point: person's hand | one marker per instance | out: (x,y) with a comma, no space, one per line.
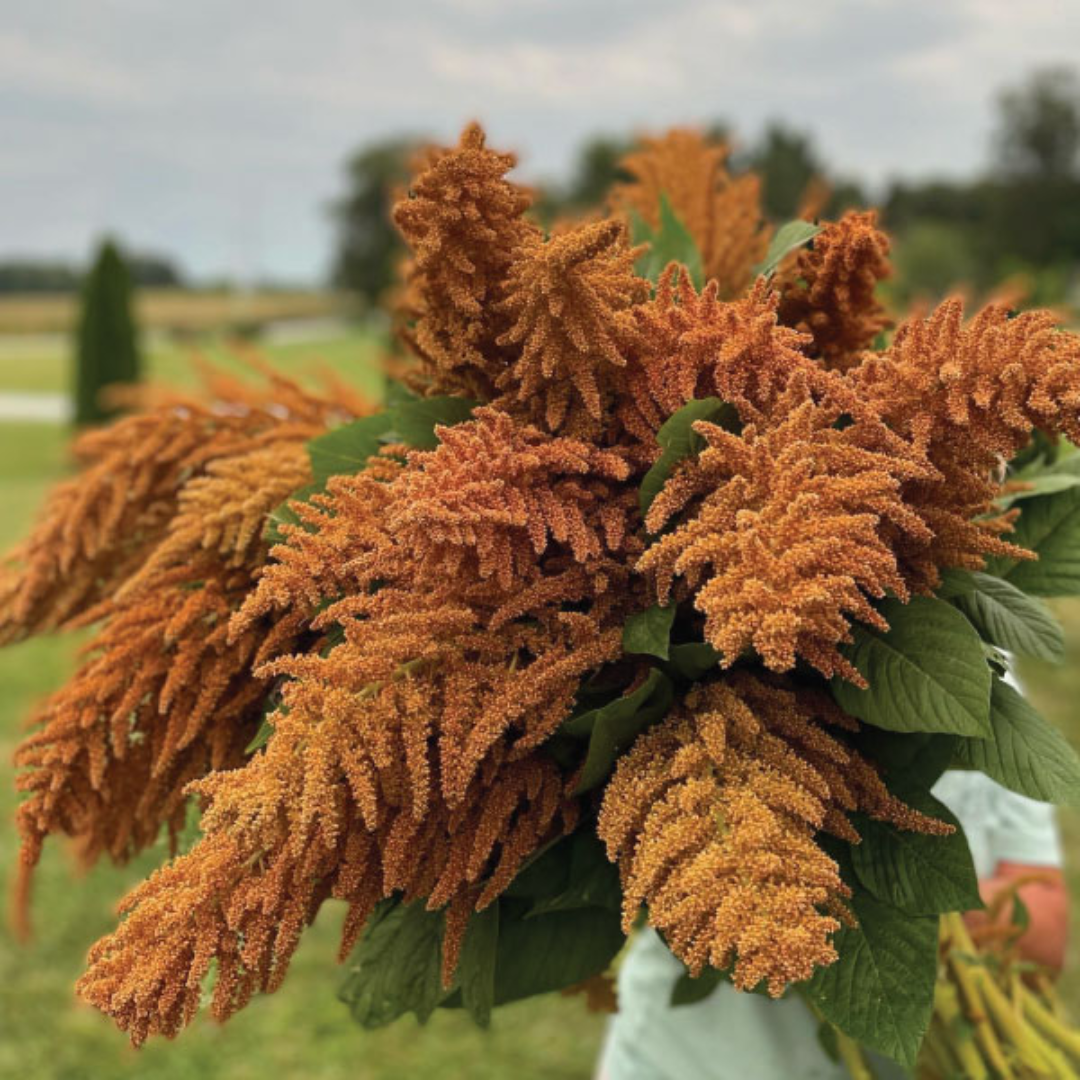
(1043,892)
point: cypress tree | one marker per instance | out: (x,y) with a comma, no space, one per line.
(106,349)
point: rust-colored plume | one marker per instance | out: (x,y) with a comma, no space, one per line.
(694,345)
(828,290)
(97,529)
(711,818)
(570,300)
(722,213)
(970,396)
(462,220)
(781,534)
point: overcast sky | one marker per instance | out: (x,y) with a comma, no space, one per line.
(216,131)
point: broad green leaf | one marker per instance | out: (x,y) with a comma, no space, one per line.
(679,441)
(396,966)
(545,874)
(671,242)
(1049,526)
(476,968)
(611,728)
(649,631)
(919,874)
(692,659)
(414,422)
(916,760)
(1011,619)
(592,881)
(1023,751)
(552,951)
(346,449)
(1049,483)
(786,239)
(927,673)
(397,393)
(881,989)
(689,991)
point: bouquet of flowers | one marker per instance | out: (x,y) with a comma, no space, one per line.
(664,585)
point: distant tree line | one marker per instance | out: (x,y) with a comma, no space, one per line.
(49,276)
(1021,217)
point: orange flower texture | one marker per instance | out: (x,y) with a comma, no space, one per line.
(368,701)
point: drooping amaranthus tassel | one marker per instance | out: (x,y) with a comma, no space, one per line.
(711,818)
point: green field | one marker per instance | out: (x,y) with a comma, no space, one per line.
(302,1031)
(43,365)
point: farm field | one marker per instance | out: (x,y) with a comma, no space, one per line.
(173,309)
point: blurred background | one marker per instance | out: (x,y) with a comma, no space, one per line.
(227,168)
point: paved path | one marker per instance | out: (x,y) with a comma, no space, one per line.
(42,407)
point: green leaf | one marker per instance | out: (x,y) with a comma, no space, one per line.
(649,631)
(592,881)
(397,966)
(1049,483)
(552,951)
(881,989)
(1023,752)
(927,673)
(785,240)
(1049,526)
(919,874)
(915,760)
(1011,619)
(671,242)
(693,658)
(346,449)
(414,422)
(679,440)
(1020,917)
(476,968)
(611,728)
(689,990)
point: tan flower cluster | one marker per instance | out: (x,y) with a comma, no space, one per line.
(570,299)
(711,817)
(462,221)
(785,543)
(164,696)
(429,624)
(828,290)
(722,213)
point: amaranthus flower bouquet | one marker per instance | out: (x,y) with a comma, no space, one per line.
(665,584)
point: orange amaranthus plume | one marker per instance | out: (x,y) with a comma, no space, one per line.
(711,818)
(402,761)
(723,214)
(462,220)
(694,345)
(781,535)
(828,290)
(165,695)
(570,301)
(970,395)
(97,529)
